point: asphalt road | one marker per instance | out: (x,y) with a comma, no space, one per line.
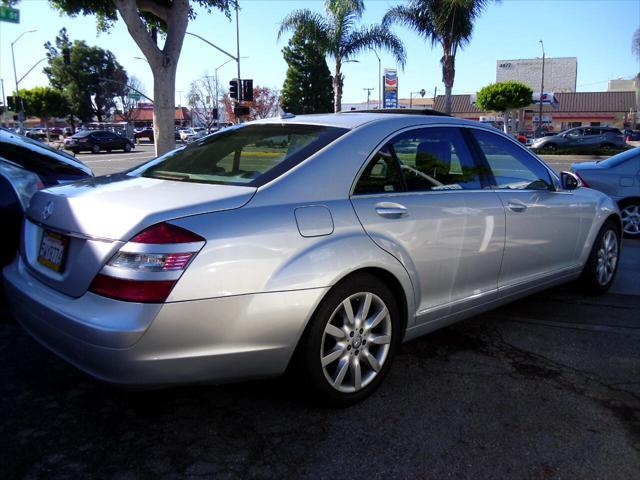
(545,388)
(106,163)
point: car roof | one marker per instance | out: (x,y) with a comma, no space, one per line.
(30,144)
(354,119)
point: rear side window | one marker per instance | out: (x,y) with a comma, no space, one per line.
(435,159)
(247,155)
(512,167)
(39,161)
(381,175)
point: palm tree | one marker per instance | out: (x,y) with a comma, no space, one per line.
(445,22)
(336,35)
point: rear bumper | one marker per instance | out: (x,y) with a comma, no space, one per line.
(215,340)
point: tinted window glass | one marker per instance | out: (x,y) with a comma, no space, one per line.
(435,159)
(246,155)
(512,167)
(381,175)
(39,161)
(574,133)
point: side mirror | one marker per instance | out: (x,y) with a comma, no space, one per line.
(569,181)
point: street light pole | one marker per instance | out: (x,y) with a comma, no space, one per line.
(15,77)
(541,93)
(368,95)
(379,80)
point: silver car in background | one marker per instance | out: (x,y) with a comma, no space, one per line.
(315,243)
(619,177)
(582,138)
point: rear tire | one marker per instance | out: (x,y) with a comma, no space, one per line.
(630,213)
(607,146)
(127,147)
(95,148)
(602,265)
(349,344)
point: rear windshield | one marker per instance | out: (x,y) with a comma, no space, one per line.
(250,155)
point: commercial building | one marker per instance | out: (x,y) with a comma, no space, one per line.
(574,109)
(560,74)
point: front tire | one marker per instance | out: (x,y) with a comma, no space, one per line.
(350,342)
(602,265)
(127,147)
(95,148)
(551,147)
(630,213)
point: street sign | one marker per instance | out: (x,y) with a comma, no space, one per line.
(390,88)
(134,96)
(8,14)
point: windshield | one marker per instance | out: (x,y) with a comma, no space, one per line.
(619,158)
(251,154)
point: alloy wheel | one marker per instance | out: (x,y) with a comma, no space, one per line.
(631,219)
(607,257)
(356,342)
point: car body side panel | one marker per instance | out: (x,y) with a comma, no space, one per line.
(237,261)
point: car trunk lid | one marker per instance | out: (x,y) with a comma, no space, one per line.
(87,222)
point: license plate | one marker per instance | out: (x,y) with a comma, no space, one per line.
(52,250)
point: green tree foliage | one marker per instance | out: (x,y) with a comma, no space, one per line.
(336,35)
(91,79)
(307,86)
(44,102)
(144,19)
(448,23)
(504,96)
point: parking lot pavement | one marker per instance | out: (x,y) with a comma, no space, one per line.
(544,388)
(105,163)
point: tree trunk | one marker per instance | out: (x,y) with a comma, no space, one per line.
(46,127)
(448,75)
(164,81)
(337,87)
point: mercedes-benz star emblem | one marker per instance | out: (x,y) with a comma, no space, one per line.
(47,210)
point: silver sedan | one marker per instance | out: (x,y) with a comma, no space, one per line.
(619,177)
(316,244)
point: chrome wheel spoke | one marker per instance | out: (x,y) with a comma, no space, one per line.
(380,339)
(343,368)
(363,311)
(378,318)
(348,311)
(335,331)
(332,357)
(356,373)
(373,361)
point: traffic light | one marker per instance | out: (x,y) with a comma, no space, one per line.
(11,105)
(247,90)
(233,88)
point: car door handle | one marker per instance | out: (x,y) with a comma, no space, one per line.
(516,206)
(391,210)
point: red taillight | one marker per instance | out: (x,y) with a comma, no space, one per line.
(144,291)
(584,183)
(166,233)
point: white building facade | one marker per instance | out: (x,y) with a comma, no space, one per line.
(560,74)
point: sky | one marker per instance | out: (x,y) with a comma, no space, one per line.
(598,33)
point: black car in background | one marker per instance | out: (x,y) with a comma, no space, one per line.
(26,165)
(96,141)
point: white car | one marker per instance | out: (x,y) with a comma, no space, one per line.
(190,134)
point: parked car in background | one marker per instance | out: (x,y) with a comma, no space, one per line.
(225,259)
(587,138)
(632,135)
(96,141)
(144,133)
(26,166)
(619,177)
(191,134)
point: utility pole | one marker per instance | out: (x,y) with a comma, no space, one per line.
(369,90)
(15,76)
(541,93)
(379,80)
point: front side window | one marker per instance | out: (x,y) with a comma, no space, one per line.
(435,159)
(512,167)
(248,155)
(574,134)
